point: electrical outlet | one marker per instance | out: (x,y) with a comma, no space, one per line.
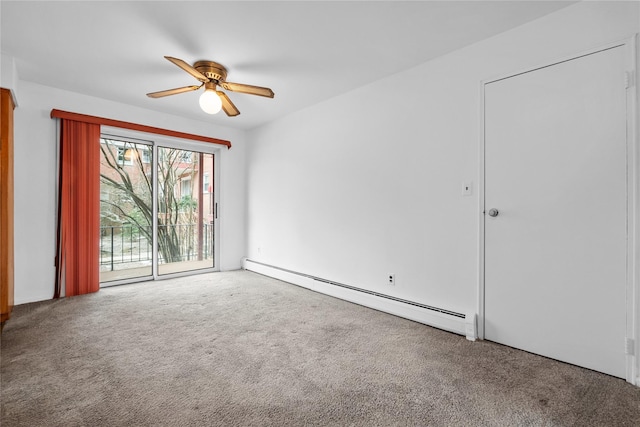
(392,280)
(259,250)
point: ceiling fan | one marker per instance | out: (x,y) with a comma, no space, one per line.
(212,75)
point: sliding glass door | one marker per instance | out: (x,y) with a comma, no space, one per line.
(158,209)
(126,215)
(185,210)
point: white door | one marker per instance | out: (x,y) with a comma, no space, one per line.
(555,170)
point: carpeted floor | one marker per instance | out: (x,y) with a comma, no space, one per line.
(237,348)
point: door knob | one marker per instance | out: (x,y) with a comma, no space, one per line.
(493,212)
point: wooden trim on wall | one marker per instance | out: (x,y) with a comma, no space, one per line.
(59,114)
(6,206)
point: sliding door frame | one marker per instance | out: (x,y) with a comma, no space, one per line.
(165,142)
(155,142)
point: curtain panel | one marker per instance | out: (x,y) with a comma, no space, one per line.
(78,238)
(78,241)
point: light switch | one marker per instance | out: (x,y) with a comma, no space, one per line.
(466,188)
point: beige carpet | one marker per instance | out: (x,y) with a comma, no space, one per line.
(237,348)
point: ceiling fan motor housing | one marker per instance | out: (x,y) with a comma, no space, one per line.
(212,70)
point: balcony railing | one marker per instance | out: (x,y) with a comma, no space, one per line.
(128,244)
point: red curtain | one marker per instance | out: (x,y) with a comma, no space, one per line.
(77,266)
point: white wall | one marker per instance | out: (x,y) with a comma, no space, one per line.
(35,180)
(369,182)
(9,76)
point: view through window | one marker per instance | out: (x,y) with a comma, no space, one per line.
(185,212)
(184,235)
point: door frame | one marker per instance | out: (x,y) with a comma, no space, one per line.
(166,142)
(155,142)
(633,200)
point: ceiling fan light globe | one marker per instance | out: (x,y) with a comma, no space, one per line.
(210,102)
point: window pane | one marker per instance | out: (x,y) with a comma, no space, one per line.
(185,211)
(125,211)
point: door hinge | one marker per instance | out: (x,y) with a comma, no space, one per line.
(629,346)
(629,79)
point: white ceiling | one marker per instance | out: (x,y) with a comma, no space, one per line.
(305,51)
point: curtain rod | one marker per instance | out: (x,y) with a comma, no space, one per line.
(59,114)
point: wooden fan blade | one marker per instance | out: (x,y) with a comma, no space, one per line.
(251,90)
(227,105)
(173,91)
(188,68)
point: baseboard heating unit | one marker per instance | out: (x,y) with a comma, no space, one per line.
(459,323)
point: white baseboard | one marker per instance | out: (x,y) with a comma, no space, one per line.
(465,326)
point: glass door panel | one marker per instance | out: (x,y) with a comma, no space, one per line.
(126,236)
(185,237)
